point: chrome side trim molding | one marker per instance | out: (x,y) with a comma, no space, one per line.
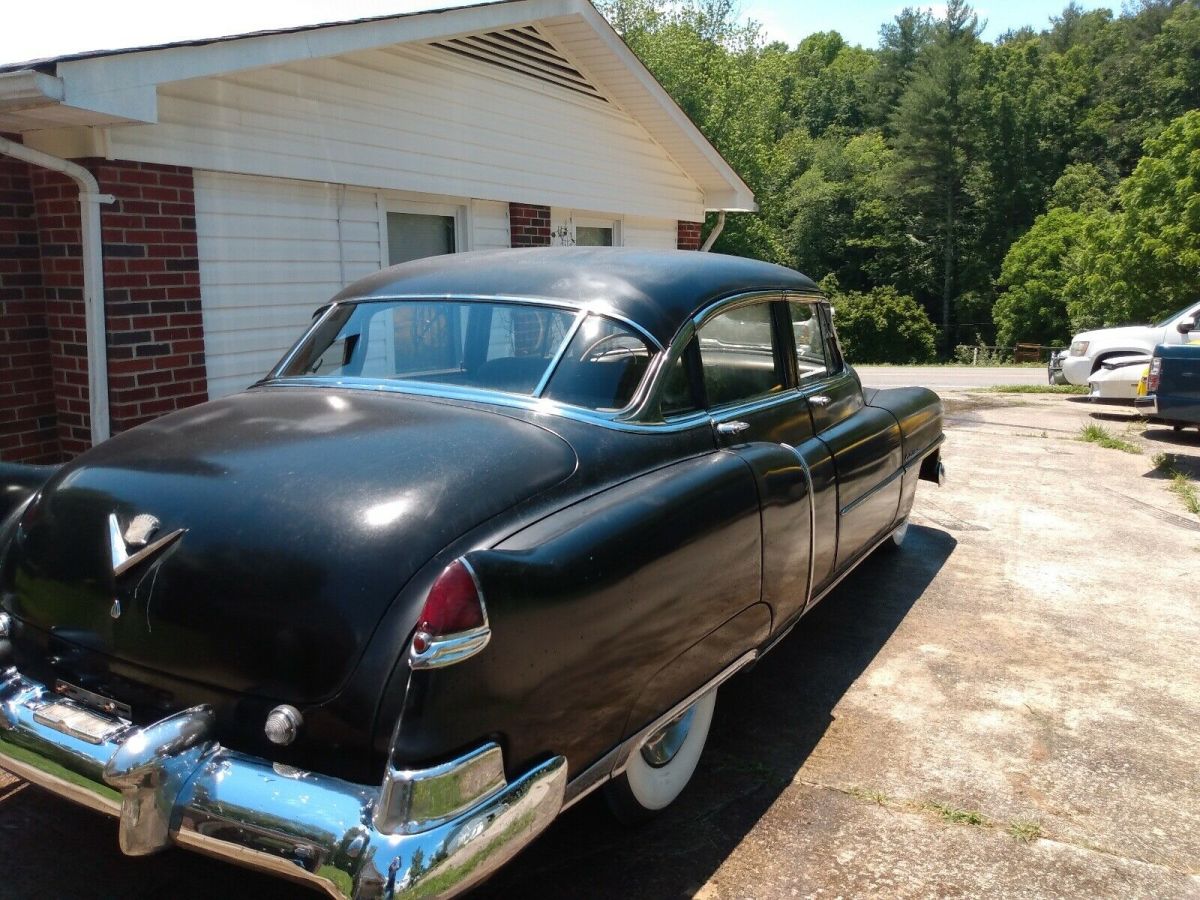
(592,778)
(849,507)
(616,760)
(634,743)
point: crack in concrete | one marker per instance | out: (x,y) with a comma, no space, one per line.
(926,811)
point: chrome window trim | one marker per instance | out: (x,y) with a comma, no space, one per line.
(560,353)
(598,307)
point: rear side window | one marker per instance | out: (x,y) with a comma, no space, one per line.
(737,355)
(602,366)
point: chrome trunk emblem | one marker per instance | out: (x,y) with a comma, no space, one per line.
(137,535)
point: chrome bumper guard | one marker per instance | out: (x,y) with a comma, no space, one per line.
(1147,406)
(171,783)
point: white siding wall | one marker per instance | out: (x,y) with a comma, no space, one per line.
(651,234)
(416,119)
(272,250)
(269,256)
(489,223)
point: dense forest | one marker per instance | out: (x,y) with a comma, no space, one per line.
(949,190)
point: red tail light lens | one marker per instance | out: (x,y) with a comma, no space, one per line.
(453,622)
(1152,382)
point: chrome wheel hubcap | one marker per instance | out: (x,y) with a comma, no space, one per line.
(660,748)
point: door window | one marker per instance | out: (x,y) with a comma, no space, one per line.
(737,355)
(812,356)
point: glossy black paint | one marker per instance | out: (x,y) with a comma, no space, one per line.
(621,568)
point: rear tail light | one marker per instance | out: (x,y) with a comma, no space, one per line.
(1155,377)
(453,624)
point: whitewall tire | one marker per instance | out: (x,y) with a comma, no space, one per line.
(660,769)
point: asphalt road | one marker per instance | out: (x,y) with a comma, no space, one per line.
(1005,707)
(949,378)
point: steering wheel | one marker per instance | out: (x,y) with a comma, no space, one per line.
(601,341)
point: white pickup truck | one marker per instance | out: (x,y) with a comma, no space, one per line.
(1090,349)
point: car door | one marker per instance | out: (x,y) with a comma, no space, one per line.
(743,356)
(865,441)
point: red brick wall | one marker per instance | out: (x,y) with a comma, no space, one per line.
(151,291)
(28,431)
(528,225)
(56,201)
(152,304)
(687,235)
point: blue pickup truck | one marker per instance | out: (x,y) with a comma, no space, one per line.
(1173,386)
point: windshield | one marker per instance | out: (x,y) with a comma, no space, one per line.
(1173,316)
(509,347)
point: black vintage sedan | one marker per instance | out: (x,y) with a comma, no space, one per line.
(489,538)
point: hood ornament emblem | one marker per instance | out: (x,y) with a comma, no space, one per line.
(136,538)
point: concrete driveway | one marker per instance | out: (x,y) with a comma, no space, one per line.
(1006,707)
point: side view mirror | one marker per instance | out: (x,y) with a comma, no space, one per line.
(1186,325)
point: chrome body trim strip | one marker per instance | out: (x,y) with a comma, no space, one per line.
(451,649)
(592,778)
(634,743)
(171,783)
(849,507)
(812,525)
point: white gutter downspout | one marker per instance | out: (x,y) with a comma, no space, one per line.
(715,233)
(90,199)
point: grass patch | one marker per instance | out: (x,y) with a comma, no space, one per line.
(1024,831)
(956,816)
(1098,434)
(1077,389)
(1181,485)
(879,798)
(1184,488)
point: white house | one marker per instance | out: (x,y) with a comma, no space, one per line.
(215,192)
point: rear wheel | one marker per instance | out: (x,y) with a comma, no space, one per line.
(660,769)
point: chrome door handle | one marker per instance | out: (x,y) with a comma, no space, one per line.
(732,427)
(819,400)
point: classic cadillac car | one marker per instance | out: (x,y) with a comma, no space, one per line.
(488,538)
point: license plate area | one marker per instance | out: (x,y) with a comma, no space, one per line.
(71,719)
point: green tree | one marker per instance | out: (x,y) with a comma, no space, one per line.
(881,325)
(933,139)
(845,216)
(1144,262)
(900,44)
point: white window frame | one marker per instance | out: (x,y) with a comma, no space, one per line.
(459,211)
(573,221)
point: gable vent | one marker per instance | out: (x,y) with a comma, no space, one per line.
(525,51)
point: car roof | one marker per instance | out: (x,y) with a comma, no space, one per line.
(657,290)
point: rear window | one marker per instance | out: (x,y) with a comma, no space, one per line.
(507,347)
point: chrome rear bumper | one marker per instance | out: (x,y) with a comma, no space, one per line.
(171,783)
